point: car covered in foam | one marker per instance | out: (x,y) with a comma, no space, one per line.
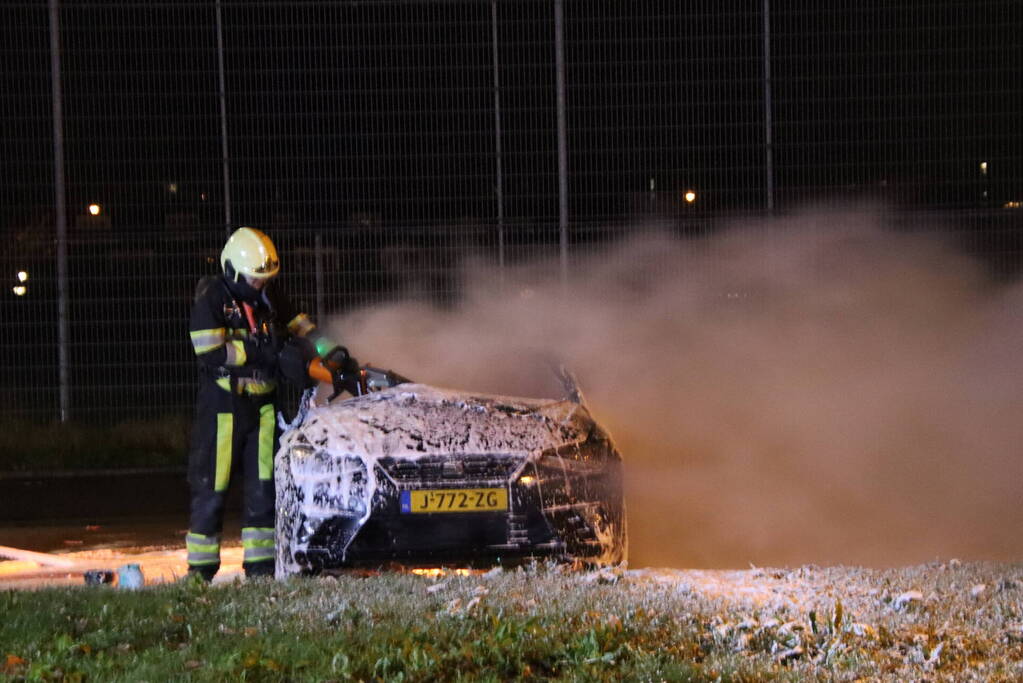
(422,476)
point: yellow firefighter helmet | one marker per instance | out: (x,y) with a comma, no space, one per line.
(249,252)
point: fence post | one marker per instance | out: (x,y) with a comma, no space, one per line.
(318,256)
(768,124)
(559,61)
(60,210)
(499,186)
(222,92)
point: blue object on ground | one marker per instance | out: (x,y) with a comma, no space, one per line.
(130,577)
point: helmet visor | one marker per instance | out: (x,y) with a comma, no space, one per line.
(269,266)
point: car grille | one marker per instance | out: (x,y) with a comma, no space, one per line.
(450,469)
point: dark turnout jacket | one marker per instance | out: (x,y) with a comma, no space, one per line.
(228,323)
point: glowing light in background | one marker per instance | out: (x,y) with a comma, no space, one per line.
(21,290)
(95,209)
(440,571)
(689,196)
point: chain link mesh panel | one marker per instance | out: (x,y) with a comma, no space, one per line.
(384,144)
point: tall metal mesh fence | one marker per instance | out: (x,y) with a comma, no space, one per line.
(384,143)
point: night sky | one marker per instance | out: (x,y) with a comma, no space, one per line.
(387,108)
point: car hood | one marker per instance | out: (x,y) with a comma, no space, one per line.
(415,420)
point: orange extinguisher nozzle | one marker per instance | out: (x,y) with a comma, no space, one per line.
(319,372)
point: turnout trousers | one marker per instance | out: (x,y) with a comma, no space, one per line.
(231,432)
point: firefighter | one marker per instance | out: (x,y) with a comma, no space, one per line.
(239,323)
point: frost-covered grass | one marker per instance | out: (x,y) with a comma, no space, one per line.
(542,623)
(31,446)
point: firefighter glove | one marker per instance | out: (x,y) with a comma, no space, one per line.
(293,362)
(336,357)
(350,367)
(342,360)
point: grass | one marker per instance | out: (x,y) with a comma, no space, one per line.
(541,623)
(392,627)
(31,446)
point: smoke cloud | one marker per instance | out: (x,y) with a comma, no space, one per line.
(816,389)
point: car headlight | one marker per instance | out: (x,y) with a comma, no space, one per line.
(329,483)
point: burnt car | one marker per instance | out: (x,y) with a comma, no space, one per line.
(422,476)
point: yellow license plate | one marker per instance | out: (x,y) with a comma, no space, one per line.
(453,500)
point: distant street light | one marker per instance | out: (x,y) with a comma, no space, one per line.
(95,209)
(983,168)
(22,276)
(690,196)
(20,290)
